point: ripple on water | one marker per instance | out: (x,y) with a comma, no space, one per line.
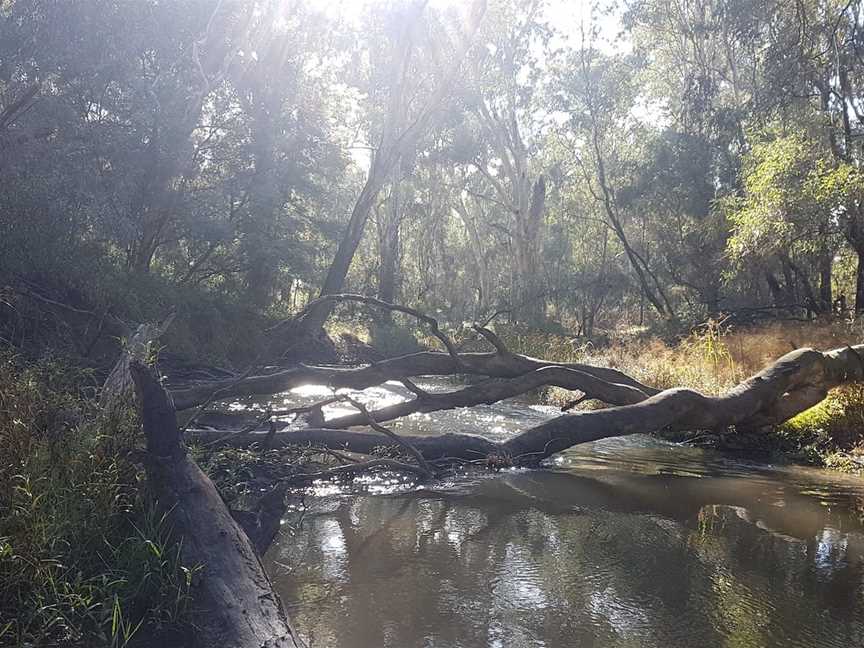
(625,542)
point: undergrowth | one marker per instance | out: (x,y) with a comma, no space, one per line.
(85,560)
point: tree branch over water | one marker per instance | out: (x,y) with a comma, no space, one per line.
(785,388)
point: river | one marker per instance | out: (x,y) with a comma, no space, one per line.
(625,542)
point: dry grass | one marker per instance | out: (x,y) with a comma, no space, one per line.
(714,358)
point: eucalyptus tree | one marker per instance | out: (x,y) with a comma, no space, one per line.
(118,87)
(410,105)
(193,138)
(813,66)
(599,93)
(702,80)
(794,199)
(726,71)
(590,284)
(505,116)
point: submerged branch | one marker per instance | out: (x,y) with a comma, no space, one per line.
(496,389)
(790,385)
(431,322)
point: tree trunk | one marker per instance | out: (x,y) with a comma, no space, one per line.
(416,364)
(485,292)
(529,224)
(794,271)
(341,263)
(264,201)
(778,296)
(859,281)
(236,606)
(825,290)
(394,143)
(388,246)
(792,384)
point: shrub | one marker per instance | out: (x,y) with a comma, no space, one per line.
(84,558)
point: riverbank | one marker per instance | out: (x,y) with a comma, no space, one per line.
(85,557)
(85,561)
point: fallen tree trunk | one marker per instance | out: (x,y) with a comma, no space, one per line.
(603,383)
(496,389)
(235,604)
(792,384)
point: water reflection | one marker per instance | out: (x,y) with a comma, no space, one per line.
(625,542)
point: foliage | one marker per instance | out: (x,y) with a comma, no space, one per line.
(795,194)
(84,558)
(209,158)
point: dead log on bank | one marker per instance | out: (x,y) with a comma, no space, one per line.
(236,606)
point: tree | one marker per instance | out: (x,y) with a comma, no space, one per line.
(598,94)
(796,194)
(404,123)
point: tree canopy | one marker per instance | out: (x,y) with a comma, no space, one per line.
(640,162)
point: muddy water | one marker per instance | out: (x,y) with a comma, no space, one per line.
(625,542)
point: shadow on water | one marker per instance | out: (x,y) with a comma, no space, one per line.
(625,542)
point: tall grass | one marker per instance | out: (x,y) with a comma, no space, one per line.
(85,560)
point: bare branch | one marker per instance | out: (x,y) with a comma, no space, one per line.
(431,322)
(370,419)
(414,389)
(496,389)
(492,339)
(575,403)
(425,363)
(349,469)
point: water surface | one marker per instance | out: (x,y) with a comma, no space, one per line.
(623,542)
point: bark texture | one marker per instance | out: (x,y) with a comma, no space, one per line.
(608,385)
(236,606)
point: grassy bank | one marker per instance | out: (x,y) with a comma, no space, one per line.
(84,559)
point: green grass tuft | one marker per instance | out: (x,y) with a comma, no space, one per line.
(85,559)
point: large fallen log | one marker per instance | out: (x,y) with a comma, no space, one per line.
(235,604)
(497,389)
(792,384)
(602,383)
